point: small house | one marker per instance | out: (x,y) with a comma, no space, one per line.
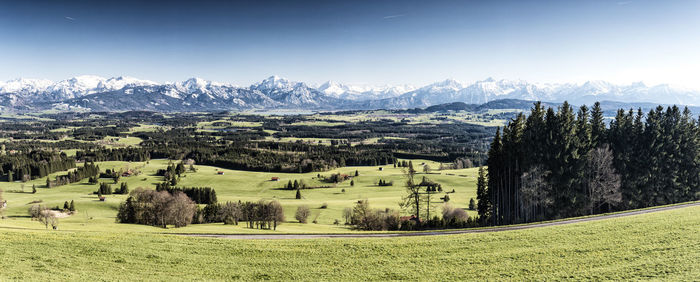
(102,198)
(220,172)
(274,178)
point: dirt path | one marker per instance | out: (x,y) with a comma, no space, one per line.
(433,233)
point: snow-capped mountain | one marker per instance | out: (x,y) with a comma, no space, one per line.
(483,91)
(196,94)
(363,92)
(294,94)
(45,90)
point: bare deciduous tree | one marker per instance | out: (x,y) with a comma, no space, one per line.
(602,180)
(347,214)
(180,209)
(534,192)
(44,215)
(412,199)
(276,213)
(302,214)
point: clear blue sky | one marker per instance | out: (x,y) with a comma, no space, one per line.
(392,42)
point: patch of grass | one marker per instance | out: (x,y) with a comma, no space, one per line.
(656,246)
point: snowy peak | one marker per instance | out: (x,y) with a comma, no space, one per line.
(275,83)
(124,93)
(24,85)
(116,83)
(362,92)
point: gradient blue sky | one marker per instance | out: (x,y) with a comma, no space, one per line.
(374,42)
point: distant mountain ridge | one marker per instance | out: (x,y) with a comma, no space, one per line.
(94,93)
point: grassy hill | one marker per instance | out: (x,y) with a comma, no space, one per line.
(233,186)
(658,246)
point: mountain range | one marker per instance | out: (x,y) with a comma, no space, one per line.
(94,93)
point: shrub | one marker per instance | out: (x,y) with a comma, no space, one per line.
(450,213)
(365,218)
(324,205)
(302,214)
(472,205)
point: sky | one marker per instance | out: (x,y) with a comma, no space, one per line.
(356,42)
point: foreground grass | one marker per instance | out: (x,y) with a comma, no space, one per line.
(661,245)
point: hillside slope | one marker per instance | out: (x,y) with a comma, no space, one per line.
(659,245)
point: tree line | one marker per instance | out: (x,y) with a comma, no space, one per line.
(33,164)
(555,164)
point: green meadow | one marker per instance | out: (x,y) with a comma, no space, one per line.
(236,185)
(655,246)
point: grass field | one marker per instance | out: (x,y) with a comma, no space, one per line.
(233,186)
(657,246)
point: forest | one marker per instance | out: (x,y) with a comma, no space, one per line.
(560,163)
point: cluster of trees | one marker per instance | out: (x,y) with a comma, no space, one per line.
(34,164)
(107,154)
(85,171)
(296,185)
(157,208)
(363,217)
(419,195)
(200,195)
(106,189)
(69,207)
(383,182)
(262,214)
(556,164)
(459,163)
(337,178)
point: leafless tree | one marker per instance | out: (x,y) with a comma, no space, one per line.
(534,192)
(347,214)
(302,214)
(231,213)
(44,215)
(180,209)
(602,180)
(276,213)
(412,199)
